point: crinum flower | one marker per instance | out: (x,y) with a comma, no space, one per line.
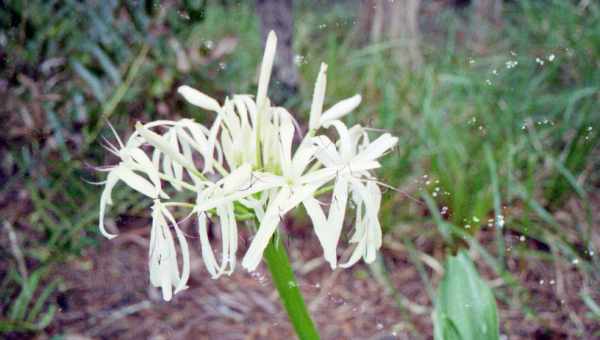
(245,166)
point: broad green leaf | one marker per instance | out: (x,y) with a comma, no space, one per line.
(465,307)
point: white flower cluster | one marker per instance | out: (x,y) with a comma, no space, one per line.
(245,165)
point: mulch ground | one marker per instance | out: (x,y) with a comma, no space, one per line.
(107,296)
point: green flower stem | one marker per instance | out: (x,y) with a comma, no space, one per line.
(289,292)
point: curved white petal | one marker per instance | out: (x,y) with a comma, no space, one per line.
(377,148)
(229,237)
(322,229)
(229,241)
(105,199)
(286,136)
(229,151)
(148,167)
(177,168)
(326,151)
(267,227)
(136,181)
(255,205)
(237,179)
(337,212)
(367,234)
(153,251)
(347,147)
(164,272)
(207,253)
(212,140)
(340,109)
(185,252)
(198,98)
(251,106)
(162,144)
(303,156)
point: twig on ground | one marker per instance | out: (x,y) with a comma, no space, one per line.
(15,248)
(119,314)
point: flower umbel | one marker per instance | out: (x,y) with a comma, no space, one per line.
(245,166)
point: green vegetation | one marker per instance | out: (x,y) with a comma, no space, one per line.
(464,307)
(495,136)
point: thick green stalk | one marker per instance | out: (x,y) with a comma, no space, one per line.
(289,292)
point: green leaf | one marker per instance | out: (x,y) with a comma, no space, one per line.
(29,286)
(465,307)
(107,65)
(94,83)
(40,301)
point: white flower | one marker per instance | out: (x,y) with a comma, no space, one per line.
(294,189)
(351,159)
(246,165)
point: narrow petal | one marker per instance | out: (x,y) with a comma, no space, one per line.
(229,151)
(186,150)
(251,106)
(302,157)
(177,168)
(255,205)
(377,148)
(337,212)
(347,147)
(356,255)
(266,229)
(258,182)
(286,136)
(320,176)
(318,97)
(185,252)
(237,179)
(229,238)
(164,146)
(146,164)
(165,281)
(198,98)
(212,140)
(298,193)
(136,181)
(230,118)
(265,69)
(324,233)
(105,200)
(326,151)
(153,252)
(242,111)
(340,109)
(207,253)
(162,255)
(367,234)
